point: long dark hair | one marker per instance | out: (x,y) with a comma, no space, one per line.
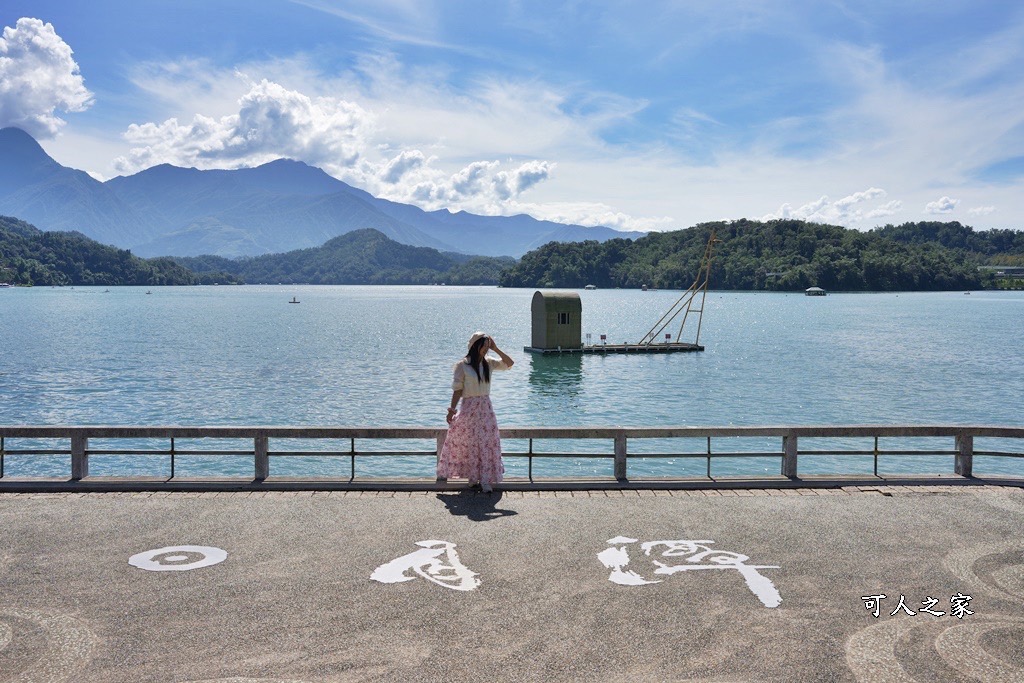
(475,359)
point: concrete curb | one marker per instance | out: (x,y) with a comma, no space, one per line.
(118,484)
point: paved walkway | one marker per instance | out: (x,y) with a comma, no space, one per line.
(521,586)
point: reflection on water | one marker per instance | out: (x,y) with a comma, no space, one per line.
(554,389)
(556,374)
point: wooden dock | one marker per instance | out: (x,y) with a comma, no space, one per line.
(621,348)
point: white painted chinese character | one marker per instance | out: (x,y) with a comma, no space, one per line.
(873,603)
(617,558)
(928,604)
(436,561)
(960,603)
(902,606)
(697,556)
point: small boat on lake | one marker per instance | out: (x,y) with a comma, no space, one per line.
(815,291)
(294,301)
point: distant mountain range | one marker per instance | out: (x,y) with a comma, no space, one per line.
(277,207)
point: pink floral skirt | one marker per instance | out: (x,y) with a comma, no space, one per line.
(472,448)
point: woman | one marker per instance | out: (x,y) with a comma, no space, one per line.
(472,448)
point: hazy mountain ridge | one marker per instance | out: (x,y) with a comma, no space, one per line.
(36,188)
(280,206)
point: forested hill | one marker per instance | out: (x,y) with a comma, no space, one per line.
(781,255)
(1000,247)
(29,256)
(359,257)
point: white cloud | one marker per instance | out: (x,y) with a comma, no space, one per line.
(887,209)
(479,186)
(841,212)
(432,189)
(942,205)
(857,197)
(272,122)
(512,184)
(400,21)
(183,87)
(981,210)
(594,214)
(38,77)
(404,162)
(470,180)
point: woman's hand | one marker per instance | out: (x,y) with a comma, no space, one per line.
(451,415)
(504,356)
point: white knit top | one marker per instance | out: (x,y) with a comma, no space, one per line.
(466,380)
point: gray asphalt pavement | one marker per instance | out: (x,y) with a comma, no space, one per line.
(515,587)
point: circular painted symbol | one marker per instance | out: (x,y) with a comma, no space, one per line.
(178,558)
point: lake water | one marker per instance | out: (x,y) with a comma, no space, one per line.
(382,356)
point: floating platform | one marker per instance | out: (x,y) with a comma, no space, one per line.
(621,348)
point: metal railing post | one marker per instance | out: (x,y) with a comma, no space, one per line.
(620,456)
(876,456)
(964,459)
(709,457)
(529,462)
(261,452)
(789,468)
(352,459)
(79,456)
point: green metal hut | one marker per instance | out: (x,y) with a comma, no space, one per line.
(557,320)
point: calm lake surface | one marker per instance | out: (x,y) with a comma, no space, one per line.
(382,356)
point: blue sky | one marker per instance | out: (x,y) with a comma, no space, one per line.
(638,115)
